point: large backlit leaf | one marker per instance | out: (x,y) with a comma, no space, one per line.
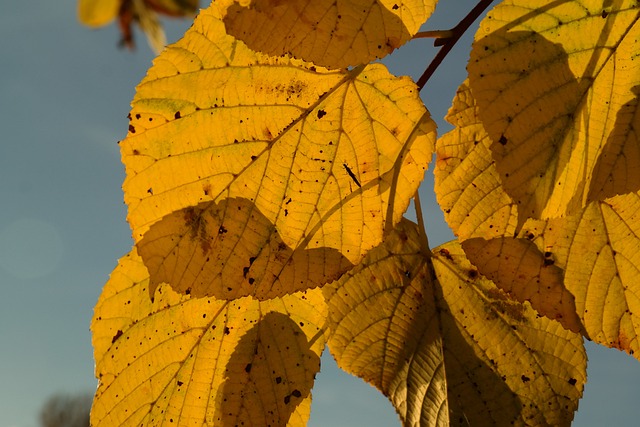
(467,185)
(596,249)
(599,249)
(481,214)
(332,33)
(561,110)
(189,361)
(523,369)
(274,155)
(385,328)
(451,349)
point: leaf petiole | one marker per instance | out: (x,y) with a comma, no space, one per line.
(424,240)
(434,34)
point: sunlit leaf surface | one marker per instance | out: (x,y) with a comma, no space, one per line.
(385,328)
(599,249)
(451,349)
(268,174)
(467,185)
(520,268)
(596,249)
(190,361)
(557,89)
(332,33)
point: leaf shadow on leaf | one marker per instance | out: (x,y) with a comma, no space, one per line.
(229,250)
(477,393)
(319,31)
(519,268)
(617,169)
(505,364)
(530,116)
(271,371)
(391,325)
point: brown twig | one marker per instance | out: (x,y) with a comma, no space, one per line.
(446,44)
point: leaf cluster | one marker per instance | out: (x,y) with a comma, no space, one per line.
(269,163)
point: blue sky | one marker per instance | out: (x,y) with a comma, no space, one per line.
(64,97)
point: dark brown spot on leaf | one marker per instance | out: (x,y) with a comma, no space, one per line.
(116,336)
(445,253)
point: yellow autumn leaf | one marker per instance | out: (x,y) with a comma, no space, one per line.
(484,217)
(451,349)
(332,33)
(270,159)
(561,111)
(385,328)
(598,249)
(537,365)
(189,361)
(467,185)
(595,248)
(96,13)
(518,267)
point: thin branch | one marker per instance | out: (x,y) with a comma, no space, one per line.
(446,44)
